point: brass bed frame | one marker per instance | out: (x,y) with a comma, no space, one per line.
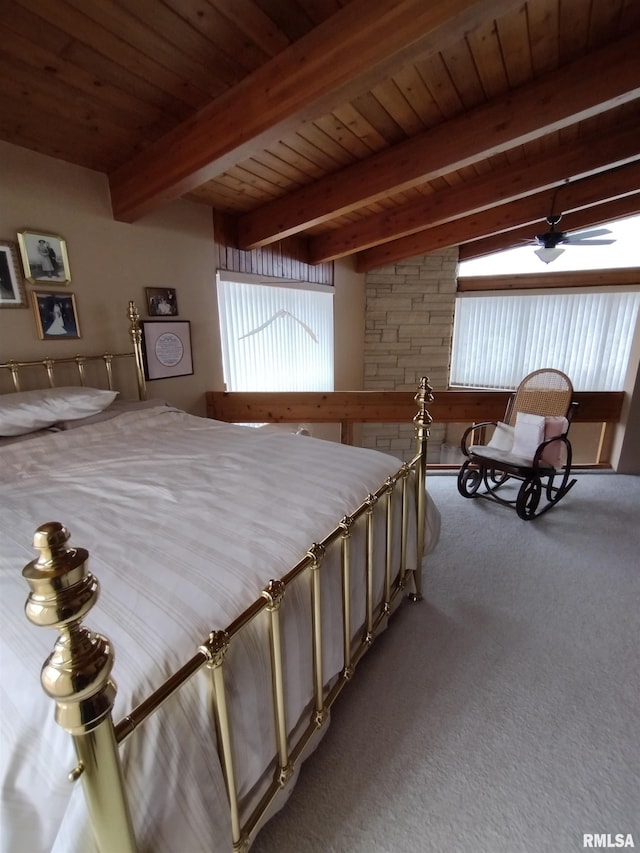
(77,674)
(15,368)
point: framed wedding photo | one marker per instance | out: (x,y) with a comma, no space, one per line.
(56,315)
(166,347)
(44,258)
(161,302)
(12,294)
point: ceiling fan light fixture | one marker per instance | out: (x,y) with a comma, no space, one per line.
(547,255)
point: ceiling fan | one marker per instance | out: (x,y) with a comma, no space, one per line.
(551,239)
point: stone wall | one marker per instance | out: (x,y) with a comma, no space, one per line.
(408,329)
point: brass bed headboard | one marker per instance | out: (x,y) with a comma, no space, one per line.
(107,359)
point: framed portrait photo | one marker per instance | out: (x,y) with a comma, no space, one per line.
(56,315)
(12,294)
(161,302)
(44,258)
(166,348)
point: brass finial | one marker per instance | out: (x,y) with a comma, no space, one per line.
(423,396)
(62,591)
(215,648)
(316,552)
(274,593)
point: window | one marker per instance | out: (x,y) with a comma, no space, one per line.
(498,339)
(623,253)
(275,336)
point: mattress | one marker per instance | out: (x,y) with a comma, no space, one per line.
(186,520)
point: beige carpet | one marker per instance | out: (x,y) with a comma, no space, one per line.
(500,715)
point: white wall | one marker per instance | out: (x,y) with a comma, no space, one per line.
(113,262)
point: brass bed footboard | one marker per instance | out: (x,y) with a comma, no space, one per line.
(77,673)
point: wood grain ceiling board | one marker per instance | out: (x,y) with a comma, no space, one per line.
(102,82)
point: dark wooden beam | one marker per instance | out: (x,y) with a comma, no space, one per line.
(348,53)
(590,85)
(587,218)
(583,158)
(583,193)
(541,281)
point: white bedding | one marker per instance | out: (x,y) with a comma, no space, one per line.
(139,491)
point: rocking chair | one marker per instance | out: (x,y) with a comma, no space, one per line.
(530,446)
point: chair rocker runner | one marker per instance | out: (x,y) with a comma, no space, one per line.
(531,447)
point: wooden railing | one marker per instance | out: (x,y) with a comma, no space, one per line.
(350,407)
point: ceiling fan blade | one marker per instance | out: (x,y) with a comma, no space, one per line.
(580,242)
(593,232)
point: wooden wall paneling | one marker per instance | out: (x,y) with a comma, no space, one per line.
(285,259)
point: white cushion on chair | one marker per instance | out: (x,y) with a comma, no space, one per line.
(528,434)
(502,438)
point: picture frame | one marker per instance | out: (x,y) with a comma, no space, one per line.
(12,291)
(166,348)
(56,315)
(161,301)
(44,258)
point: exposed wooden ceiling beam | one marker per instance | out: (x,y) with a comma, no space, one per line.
(531,209)
(579,159)
(547,279)
(586,218)
(590,85)
(345,55)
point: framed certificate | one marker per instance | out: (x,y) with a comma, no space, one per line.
(166,348)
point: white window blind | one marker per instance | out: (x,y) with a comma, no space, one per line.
(498,340)
(276,337)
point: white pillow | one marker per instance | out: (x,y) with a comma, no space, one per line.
(527,435)
(502,438)
(27,411)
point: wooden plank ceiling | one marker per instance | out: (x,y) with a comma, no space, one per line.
(380,129)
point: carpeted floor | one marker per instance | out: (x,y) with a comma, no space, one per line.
(501,714)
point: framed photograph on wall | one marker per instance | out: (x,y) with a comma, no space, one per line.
(166,348)
(161,302)
(12,294)
(56,315)
(44,258)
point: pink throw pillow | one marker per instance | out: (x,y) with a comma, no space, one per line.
(554,427)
